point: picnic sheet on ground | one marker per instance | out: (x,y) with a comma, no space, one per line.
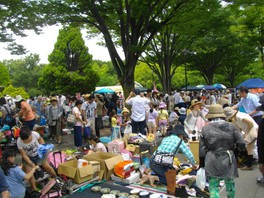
(88,193)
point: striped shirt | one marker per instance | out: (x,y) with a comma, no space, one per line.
(169,145)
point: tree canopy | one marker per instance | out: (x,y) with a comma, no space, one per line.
(70,69)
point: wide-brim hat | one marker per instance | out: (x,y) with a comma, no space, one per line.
(182,111)
(229,112)
(176,109)
(162,105)
(125,110)
(215,111)
(195,102)
(86,96)
(178,130)
(53,99)
(18,98)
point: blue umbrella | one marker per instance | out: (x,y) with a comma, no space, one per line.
(252,83)
(104,90)
(219,86)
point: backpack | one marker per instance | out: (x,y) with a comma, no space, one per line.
(9,118)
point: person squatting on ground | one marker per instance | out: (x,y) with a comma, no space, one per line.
(217,143)
(28,144)
(14,175)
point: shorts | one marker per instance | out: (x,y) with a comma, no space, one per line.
(163,123)
(36,160)
(151,125)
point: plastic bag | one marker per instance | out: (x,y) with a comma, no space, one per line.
(43,149)
(200,178)
(128,129)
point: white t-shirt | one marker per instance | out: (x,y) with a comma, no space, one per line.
(89,109)
(75,111)
(31,148)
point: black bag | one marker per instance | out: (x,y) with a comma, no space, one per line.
(165,159)
(30,193)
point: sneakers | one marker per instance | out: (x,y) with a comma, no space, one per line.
(260,179)
(246,168)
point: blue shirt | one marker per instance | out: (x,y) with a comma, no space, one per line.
(170,143)
(250,103)
(3,183)
(15,180)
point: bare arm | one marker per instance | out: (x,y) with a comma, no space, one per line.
(30,173)
(41,141)
(253,112)
(249,124)
(5,194)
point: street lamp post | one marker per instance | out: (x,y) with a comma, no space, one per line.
(185,51)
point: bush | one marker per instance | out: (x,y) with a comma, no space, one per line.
(13,92)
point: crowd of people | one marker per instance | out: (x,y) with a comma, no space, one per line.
(223,121)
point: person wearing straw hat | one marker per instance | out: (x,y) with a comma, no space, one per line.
(55,117)
(217,142)
(125,120)
(248,128)
(26,113)
(192,117)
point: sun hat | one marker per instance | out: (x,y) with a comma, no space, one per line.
(53,99)
(125,110)
(18,98)
(195,102)
(229,112)
(176,109)
(182,111)
(162,105)
(215,111)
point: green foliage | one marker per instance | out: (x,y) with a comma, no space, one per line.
(25,72)
(106,72)
(13,92)
(70,69)
(5,79)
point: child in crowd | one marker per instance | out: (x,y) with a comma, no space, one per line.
(15,175)
(114,123)
(125,119)
(152,120)
(163,117)
(96,145)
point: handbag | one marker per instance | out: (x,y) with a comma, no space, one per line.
(165,159)
(71,119)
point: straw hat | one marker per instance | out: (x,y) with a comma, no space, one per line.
(162,105)
(53,99)
(125,110)
(182,111)
(229,112)
(86,96)
(176,109)
(18,98)
(215,111)
(195,102)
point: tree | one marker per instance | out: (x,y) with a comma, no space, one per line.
(5,79)
(106,72)
(25,72)
(15,17)
(130,24)
(13,92)
(70,69)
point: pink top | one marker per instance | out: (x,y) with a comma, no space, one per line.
(27,111)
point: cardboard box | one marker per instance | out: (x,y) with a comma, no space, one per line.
(79,175)
(107,162)
(194,147)
(95,165)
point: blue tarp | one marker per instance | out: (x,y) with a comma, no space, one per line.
(252,83)
(104,90)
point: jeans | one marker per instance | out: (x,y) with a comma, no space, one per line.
(77,136)
(159,171)
(139,127)
(30,124)
(257,119)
